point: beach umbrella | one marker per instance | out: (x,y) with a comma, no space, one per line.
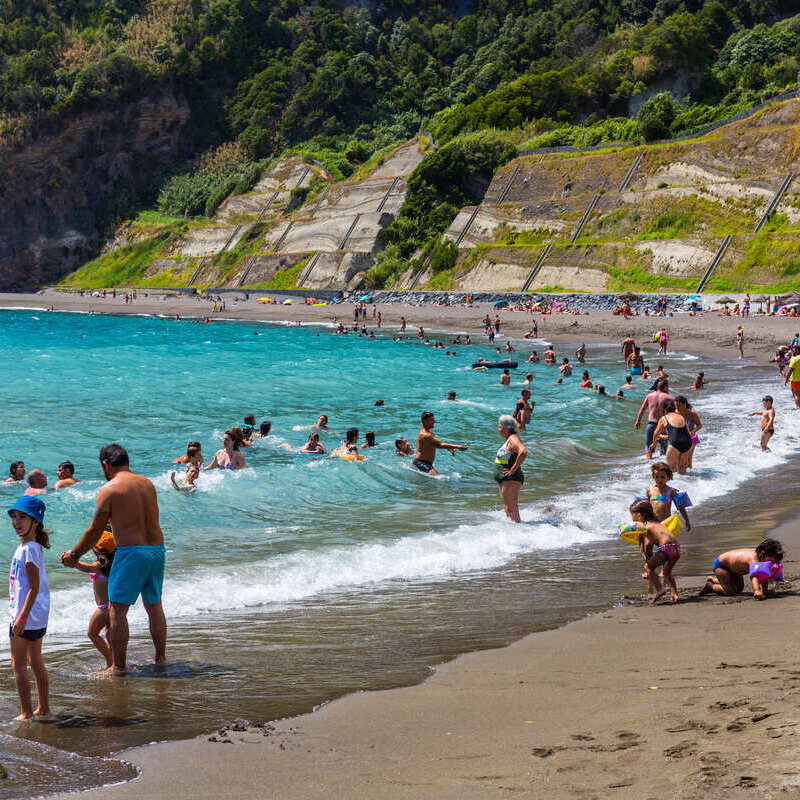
(628,296)
(792,297)
(723,301)
(501,304)
(759,299)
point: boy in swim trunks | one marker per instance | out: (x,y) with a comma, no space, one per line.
(731,567)
(767,421)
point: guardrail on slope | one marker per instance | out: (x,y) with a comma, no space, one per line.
(306,273)
(714,261)
(775,200)
(537,266)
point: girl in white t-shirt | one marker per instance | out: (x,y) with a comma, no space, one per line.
(29,596)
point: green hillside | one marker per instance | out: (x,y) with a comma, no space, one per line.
(338,83)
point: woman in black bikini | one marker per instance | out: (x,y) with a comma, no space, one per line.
(672,427)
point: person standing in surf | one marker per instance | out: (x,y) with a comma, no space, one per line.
(129,502)
(627,347)
(654,403)
(508,466)
(428,444)
(767,421)
(29,605)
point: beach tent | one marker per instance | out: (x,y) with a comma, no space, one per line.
(367,298)
(287,302)
(501,304)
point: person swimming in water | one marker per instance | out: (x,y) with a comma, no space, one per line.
(187,485)
(263,430)
(37,483)
(16,472)
(322,424)
(428,444)
(403,447)
(66,475)
(505,378)
(369,440)
(228,456)
(349,447)
(313,445)
(186,457)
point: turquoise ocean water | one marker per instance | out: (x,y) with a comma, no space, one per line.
(300,579)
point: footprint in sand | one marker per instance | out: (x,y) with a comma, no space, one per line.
(681,750)
(724,706)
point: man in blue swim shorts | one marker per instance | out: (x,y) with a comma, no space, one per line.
(128,501)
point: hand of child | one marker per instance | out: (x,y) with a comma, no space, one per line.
(19,626)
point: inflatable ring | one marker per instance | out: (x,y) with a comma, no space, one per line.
(630,533)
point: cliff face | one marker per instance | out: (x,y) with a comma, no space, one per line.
(52,191)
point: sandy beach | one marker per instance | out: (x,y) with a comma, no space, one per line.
(708,332)
(682,701)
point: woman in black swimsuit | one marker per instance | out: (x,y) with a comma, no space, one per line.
(672,427)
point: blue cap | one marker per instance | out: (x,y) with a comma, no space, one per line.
(32,506)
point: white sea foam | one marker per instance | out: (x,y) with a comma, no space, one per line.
(304,573)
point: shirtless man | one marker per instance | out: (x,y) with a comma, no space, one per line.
(627,347)
(428,444)
(66,475)
(128,501)
(654,403)
(550,355)
(37,482)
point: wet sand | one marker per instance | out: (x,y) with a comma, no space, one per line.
(709,333)
(684,701)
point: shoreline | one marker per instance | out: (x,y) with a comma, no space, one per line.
(621,703)
(708,334)
(311,745)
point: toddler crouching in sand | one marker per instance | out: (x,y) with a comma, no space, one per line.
(762,565)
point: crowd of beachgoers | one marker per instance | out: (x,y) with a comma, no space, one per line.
(127,543)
